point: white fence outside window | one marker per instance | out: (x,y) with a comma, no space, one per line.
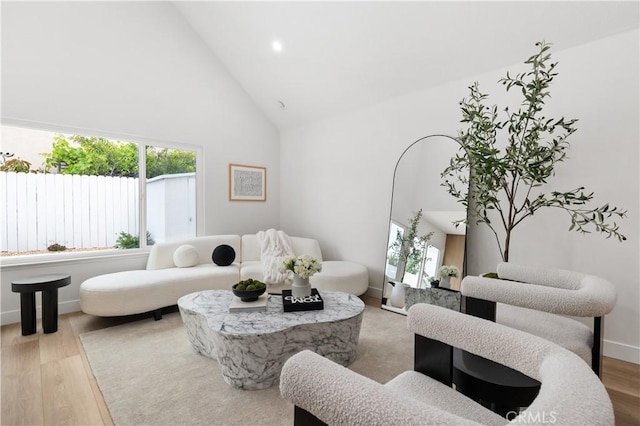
(77,211)
(72,210)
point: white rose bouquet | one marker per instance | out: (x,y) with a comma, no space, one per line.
(448,271)
(304,266)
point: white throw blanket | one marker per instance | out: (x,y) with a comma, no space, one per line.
(274,246)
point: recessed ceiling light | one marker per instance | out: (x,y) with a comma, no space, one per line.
(277,46)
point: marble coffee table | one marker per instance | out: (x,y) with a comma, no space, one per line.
(251,347)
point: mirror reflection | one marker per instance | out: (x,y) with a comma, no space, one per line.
(425,247)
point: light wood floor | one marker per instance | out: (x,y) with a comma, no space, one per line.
(46,379)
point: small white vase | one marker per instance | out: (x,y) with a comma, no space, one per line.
(300,287)
(445,282)
(397,295)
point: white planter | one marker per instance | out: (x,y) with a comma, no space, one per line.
(300,287)
(445,282)
(397,295)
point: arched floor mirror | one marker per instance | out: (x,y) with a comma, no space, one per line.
(414,259)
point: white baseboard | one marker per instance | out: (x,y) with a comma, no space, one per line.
(11,317)
(374,292)
(621,351)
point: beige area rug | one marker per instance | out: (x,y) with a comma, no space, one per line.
(149,375)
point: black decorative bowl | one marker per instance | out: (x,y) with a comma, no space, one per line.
(248,295)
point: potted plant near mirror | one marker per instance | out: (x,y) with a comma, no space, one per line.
(511,156)
(407,248)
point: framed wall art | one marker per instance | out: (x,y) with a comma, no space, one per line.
(247,183)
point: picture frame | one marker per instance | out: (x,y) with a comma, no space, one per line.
(247,183)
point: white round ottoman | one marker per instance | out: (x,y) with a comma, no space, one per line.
(339,275)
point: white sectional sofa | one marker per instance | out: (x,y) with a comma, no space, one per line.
(162,283)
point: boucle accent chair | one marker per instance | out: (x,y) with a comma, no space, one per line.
(538,300)
(570,393)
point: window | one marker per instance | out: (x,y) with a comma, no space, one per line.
(418,268)
(429,265)
(73,192)
(393,254)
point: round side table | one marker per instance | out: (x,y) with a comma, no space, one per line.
(497,387)
(48,285)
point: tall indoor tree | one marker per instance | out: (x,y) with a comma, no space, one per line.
(512,156)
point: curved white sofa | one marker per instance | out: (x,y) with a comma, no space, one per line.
(162,283)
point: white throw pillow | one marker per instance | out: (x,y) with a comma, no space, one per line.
(186,256)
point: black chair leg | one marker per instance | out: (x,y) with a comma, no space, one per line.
(596,350)
(480,308)
(434,359)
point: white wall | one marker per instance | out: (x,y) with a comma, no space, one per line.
(336,175)
(136,70)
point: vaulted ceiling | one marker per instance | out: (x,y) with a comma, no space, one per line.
(339,56)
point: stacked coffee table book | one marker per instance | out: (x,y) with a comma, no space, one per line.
(290,303)
(258,305)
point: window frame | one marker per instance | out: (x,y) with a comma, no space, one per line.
(391,240)
(423,262)
(142,142)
